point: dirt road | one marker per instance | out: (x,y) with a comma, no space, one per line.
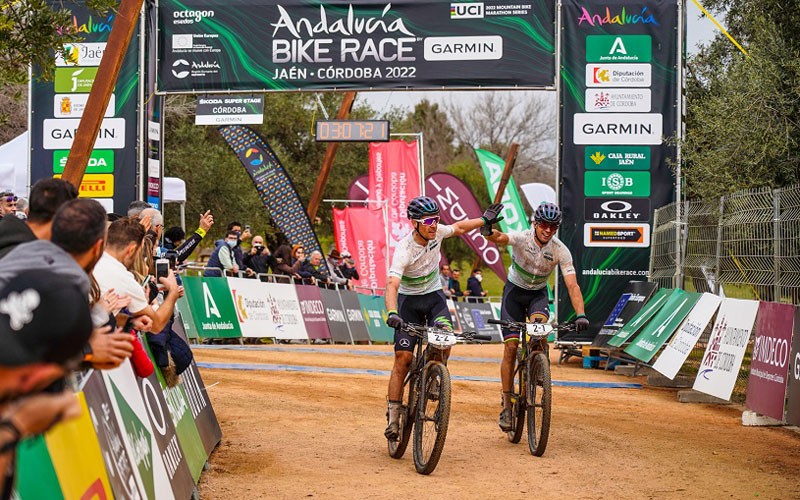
(290,434)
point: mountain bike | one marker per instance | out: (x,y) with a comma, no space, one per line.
(532,391)
(426,396)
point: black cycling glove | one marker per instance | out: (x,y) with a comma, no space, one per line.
(394,320)
(491,216)
(581,323)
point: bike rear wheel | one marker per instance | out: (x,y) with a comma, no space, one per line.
(433,416)
(517,406)
(539,394)
(398,448)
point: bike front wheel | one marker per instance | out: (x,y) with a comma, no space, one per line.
(433,416)
(539,394)
(398,448)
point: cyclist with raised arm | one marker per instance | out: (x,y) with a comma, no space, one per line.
(536,253)
(413,288)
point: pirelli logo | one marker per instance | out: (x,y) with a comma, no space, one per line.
(616,235)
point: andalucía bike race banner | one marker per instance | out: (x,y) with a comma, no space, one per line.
(273,184)
(221,45)
(619,101)
(57,107)
(361,232)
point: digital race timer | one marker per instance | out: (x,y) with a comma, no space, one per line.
(352,130)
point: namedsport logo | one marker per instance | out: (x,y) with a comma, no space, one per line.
(255,156)
(178,68)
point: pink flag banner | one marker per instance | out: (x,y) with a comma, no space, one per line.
(457,202)
(394,177)
(361,232)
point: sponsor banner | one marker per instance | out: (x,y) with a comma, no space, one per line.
(267,309)
(313,311)
(616,235)
(770,359)
(183,316)
(645,345)
(474,316)
(133,420)
(361,232)
(619,75)
(154,118)
(374,311)
(165,436)
(675,353)
(457,202)
(35,474)
(394,176)
(119,465)
(616,184)
(618,100)
(641,318)
(59,133)
(617,128)
(355,317)
(359,189)
(229,110)
(273,184)
(619,49)
(726,346)
(211,307)
(95,186)
(81,475)
(605,210)
(793,386)
(57,106)
(200,406)
(81,54)
(295,44)
(101,161)
(617,158)
(614,56)
(72,105)
(451,306)
(74,80)
(635,294)
(493,166)
(188,436)
(337,318)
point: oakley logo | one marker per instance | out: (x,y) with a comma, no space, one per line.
(616,206)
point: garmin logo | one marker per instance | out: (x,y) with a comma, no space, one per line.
(463,48)
(471,10)
(190,16)
(603,209)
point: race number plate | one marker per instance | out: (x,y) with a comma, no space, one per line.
(439,338)
(538,329)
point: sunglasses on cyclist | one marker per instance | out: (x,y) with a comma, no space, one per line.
(548,226)
(429,221)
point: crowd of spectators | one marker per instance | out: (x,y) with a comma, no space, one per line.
(79,292)
(451,284)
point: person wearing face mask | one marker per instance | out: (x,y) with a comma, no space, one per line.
(474,288)
(223,256)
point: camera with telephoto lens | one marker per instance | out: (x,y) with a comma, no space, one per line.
(259,249)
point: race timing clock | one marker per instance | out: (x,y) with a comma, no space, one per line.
(352,131)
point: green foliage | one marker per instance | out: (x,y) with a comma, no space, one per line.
(742,127)
(31,31)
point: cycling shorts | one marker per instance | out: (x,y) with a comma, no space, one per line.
(519,304)
(424,309)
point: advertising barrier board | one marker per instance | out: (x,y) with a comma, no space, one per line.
(374,311)
(334,313)
(313,311)
(662,326)
(793,387)
(770,360)
(355,317)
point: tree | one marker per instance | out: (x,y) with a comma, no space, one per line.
(438,135)
(742,125)
(499,119)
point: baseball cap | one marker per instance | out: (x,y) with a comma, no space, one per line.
(44,318)
(334,254)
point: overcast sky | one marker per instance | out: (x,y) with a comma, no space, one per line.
(698,30)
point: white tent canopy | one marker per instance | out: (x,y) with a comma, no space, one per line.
(174,191)
(14,165)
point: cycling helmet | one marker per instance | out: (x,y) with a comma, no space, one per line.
(547,212)
(422,206)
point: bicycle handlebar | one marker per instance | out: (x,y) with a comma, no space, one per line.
(521,326)
(421,331)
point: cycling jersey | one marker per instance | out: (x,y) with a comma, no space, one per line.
(417,266)
(531,266)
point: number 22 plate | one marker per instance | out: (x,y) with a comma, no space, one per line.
(441,339)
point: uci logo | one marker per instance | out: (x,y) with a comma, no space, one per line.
(471,10)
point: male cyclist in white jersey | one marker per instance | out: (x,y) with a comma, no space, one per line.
(413,288)
(537,252)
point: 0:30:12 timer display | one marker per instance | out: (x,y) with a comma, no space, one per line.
(352,131)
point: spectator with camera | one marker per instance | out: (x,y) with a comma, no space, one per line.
(259,259)
(336,275)
(348,267)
